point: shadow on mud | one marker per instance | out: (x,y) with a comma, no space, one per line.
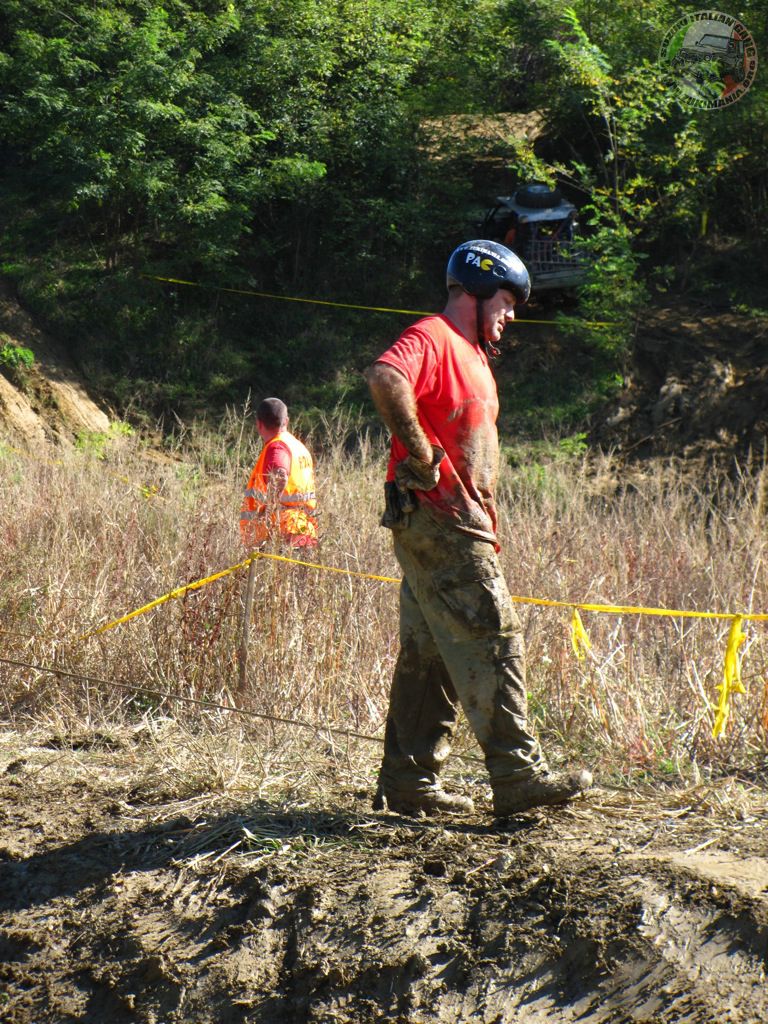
(257,831)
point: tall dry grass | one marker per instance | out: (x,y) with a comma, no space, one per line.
(82,543)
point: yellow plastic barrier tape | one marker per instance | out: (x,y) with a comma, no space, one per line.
(338,305)
(618,609)
(731,676)
(581,644)
(327,568)
(579,639)
(614,609)
(197,584)
(178,592)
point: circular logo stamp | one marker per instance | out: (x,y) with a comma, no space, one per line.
(713,58)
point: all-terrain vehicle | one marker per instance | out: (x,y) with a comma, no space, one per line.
(538,224)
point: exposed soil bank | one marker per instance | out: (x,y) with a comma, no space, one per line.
(697,390)
(49,401)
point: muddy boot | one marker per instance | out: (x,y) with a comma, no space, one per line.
(432,801)
(539,791)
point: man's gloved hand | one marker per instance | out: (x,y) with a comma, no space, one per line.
(416,475)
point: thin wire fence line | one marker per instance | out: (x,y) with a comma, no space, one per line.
(199,702)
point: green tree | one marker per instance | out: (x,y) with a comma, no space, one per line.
(232,143)
(651,165)
(278,147)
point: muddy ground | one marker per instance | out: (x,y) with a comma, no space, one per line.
(126,898)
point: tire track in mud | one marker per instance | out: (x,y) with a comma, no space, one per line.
(355,918)
(537,942)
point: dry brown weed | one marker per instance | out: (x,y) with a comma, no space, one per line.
(86,540)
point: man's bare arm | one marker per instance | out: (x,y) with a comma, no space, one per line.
(396,404)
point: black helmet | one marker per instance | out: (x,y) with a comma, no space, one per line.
(482,267)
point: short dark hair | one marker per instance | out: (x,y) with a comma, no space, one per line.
(273,413)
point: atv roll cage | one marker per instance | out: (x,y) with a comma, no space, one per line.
(539,225)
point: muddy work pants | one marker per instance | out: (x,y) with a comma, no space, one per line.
(460,643)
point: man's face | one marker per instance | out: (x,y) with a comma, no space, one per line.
(498,311)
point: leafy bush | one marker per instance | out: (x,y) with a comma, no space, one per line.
(16,356)
(97,442)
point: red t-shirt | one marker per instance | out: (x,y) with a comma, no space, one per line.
(278,457)
(457,404)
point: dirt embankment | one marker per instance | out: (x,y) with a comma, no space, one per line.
(122,902)
(697,390)
(47,402)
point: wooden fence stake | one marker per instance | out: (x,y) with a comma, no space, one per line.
(247,611)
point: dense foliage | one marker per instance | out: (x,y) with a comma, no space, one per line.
(280,147)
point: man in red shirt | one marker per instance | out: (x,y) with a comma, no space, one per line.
(279,500)
(460,637)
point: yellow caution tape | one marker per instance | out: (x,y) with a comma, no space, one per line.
(731,676)
(579,639)
(197,584)
(580,635)
(327,568)
(338,305)
(178,592)
(619,609)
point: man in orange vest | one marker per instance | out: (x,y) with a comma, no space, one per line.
(279,500)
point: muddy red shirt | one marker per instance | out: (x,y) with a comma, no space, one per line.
(457,404)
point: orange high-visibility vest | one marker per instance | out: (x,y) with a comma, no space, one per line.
(297,523)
